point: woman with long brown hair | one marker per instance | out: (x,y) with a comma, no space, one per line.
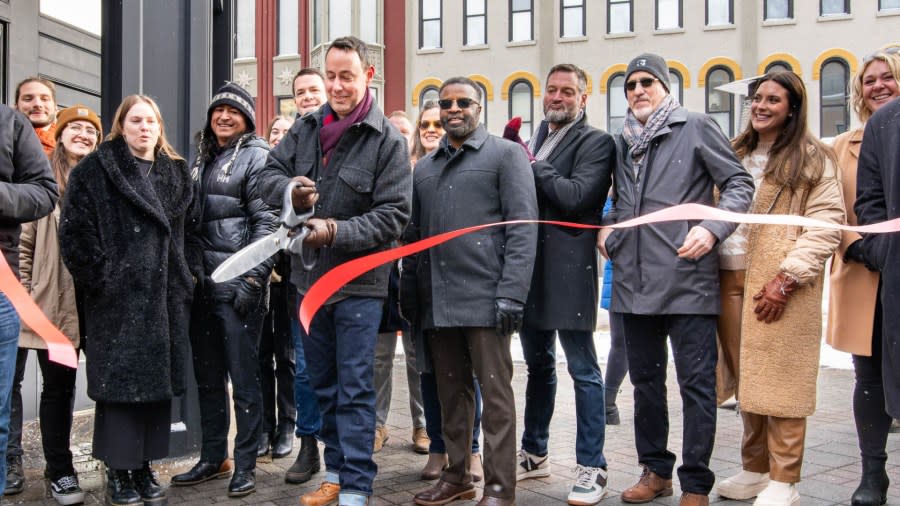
(128,216)
(781,325)
(854,308)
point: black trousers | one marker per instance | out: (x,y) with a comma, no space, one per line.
(276,360)
(872,420)
(693,340)
(224,345)
(126,435)
(55,412)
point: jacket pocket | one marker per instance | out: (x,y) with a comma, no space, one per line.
(613,241)
(358,179)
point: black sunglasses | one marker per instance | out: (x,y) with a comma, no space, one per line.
(646,82)
(463,103)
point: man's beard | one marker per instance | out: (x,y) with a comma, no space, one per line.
(462,131)
(562,117)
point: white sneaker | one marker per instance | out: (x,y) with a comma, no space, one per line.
(589,487)
(778,493)
(532,466)
(744,485)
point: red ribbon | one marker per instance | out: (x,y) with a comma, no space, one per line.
(333,280)
(59,347)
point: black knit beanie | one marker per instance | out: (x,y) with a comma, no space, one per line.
(651,63)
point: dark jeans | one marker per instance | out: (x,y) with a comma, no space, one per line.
(9,343)
(617,360)
(309,420)
(539,347)
(457,354)
(872,421)
(276,362)
(224,346)
(432,407)
(693,340)
(340,354)
(56,405)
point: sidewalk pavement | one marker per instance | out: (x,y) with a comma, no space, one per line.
(831,466)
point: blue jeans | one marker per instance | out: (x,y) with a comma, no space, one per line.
(309,421)
(432,407)
(9,344)
(340,355)
(539,347)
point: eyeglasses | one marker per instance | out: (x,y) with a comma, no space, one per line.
(425,125)
(463,103)
(646,82)
(892,50)
(79,129)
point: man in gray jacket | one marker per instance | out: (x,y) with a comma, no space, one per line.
(468,295)
(665,278)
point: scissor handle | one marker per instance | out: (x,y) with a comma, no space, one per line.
(295,247)
(289,217)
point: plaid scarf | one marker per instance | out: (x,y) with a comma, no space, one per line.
(544,142)
(638,136)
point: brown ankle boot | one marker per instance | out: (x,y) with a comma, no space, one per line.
(437,462)
(690,499)
(649,487)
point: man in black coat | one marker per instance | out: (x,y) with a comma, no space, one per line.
(877,200)
(572,172)
(468,295)
(27,192)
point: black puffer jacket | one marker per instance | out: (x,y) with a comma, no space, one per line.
(234,214)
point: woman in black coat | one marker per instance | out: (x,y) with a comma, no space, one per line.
(129,213)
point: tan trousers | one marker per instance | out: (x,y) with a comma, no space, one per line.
(773,445)
(731,291)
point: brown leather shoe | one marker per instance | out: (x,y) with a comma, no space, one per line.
(476,468)
(495,501)
(443,492)
(326,494)
(420,440)
(649,487)
(437,462)
(381,437)
(689,499)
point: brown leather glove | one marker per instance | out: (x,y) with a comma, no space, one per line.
(321,232)
(772,299)
(304,196)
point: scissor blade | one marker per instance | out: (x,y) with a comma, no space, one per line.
(250,256)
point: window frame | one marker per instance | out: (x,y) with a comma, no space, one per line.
(530,11)
(846,101)
(512,87)
(425,91)
(278,26)
(467,16)
(881,8)
(680,16)
(843,13)
(252,35)
(680,83)
(790,12)
(731,110)
(484,112)
(440,20)
(781,63)
(730,13)
(562,19)
(609,100)
(609,4)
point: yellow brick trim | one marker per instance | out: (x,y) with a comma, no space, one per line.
(484,81)
(609,72)
(836,52)
(424,83)
(785,57)
(716,62)
(515,76)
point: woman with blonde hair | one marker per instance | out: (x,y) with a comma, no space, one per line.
(781,323)
(854,308)
(126,237)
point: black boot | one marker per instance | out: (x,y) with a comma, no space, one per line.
(873,485)
(146,485)
(612,411)
(307,463)
(263,448)
(283,443)
(15,476)
(120,488)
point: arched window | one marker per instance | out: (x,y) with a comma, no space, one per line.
(720,104)
(521,103)
(616,103)
(429,93)
(834,116)
(778,65)
(483,102)
(676,85)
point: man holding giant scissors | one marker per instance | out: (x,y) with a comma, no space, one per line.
(354,172)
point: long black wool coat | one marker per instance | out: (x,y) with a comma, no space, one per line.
(126,239)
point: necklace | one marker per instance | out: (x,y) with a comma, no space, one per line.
(151,168)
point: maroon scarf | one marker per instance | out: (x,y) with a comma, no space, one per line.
(333,128)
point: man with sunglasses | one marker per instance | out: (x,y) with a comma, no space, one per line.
(468,295)
(572,172)
(666,275)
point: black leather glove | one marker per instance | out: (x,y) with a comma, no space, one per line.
(248,296)
(856,253)
(509,315)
